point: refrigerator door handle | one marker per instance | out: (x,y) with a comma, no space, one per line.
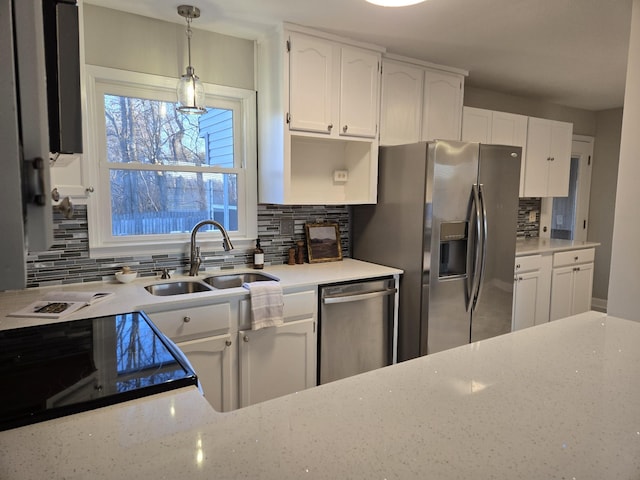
(483,256)
(475,279)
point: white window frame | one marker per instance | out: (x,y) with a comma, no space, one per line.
(100,80)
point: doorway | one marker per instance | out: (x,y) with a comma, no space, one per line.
(567,217)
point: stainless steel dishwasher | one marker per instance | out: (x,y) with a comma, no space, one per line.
(356,328)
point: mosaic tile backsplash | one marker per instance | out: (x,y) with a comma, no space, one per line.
(68,259)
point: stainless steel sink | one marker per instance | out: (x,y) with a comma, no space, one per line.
(177,288)
(236,280)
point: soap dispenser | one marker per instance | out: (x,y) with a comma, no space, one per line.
(258,256)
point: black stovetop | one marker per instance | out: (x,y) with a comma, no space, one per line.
(58,369)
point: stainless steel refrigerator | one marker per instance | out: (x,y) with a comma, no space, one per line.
(447,215)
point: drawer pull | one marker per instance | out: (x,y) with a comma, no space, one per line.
(245,338)
(186,319)
(228,343)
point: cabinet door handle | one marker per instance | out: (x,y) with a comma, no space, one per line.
(245,338)
(518,266)
(552,159)
(329,127)
(345,128)
(186,319)
(228,343)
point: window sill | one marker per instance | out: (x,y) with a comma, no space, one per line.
(178,248)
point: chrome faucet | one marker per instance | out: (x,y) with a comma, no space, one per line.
(194,261)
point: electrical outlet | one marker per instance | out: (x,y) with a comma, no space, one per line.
(532,216)
(340,176)
(286,226)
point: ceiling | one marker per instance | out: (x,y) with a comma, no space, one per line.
(568,52)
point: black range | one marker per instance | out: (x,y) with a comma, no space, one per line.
(58,369)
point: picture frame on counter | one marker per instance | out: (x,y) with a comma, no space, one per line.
(323,242)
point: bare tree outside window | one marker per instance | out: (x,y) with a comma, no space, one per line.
(167,169)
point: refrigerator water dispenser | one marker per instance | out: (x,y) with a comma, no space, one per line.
(453,249)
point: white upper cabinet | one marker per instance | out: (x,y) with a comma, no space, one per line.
(310,84)
(334,89)
(442,107)
(476,125)
(548,158)
(401,112)
(500,128)
(419,102)
(359,92)
(318,112)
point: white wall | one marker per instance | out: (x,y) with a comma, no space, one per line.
(132,42)
(602,202)
(624,282)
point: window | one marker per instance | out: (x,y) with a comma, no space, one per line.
(158,171)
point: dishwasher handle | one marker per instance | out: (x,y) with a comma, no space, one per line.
(358,297)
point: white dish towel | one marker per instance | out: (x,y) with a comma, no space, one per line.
(267,304)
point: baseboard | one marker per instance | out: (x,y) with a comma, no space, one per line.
(599,304)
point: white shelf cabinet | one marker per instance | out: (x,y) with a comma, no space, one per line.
(501,128)
(548,158)
(531,291)
(572,283)
(419,103)
(318,110)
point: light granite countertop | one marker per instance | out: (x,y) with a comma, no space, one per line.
(132,296)
(531,246)
(559,400)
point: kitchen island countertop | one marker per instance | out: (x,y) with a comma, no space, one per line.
(560,400)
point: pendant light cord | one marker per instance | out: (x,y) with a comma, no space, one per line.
(189,33)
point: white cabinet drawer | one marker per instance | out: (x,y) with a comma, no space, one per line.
(528,263)
(296,306)
(573,257)
(185,323)
(300,305)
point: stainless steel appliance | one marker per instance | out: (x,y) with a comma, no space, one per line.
(356,328)
(446,215)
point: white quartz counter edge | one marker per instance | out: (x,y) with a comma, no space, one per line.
(133,296)
(531,246)
(560,400)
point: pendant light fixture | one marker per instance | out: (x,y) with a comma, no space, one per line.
(190,89)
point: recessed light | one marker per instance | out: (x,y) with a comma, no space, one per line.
(395,3)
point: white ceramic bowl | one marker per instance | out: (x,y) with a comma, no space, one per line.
(126,277)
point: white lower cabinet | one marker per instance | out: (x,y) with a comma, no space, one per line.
(276,361)
(550,286)
(212,359)
(531,291)
(572,283)
(238,366)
